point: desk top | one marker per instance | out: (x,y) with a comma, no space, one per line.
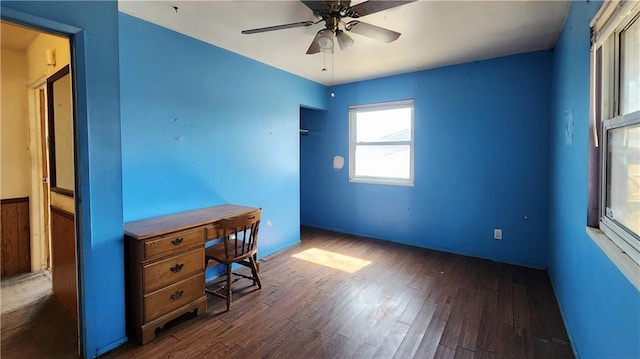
(145,228)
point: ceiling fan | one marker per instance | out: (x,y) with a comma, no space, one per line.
(333,13)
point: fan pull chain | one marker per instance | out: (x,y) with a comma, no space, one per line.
(333,94)
(332,68)
(324,61)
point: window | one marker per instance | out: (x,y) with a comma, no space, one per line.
(381,143)
(616,111)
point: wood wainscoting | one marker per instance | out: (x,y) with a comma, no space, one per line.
(64,263)
(16,233)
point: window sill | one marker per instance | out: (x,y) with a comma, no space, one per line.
(625,264)
(382,181)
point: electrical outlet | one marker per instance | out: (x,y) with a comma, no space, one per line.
(497,234)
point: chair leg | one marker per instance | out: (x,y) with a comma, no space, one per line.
(228,286)
(254,271)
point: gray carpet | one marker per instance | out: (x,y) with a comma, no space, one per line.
(24,289)
(34,324)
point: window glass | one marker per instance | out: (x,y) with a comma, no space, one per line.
(630,69)
(623,176)
(384,126)
(606,84)
(383,161)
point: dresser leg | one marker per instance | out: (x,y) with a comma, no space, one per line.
(146,335)
(201,308)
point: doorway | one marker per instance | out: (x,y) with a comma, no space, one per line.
(40,290)
(312,121)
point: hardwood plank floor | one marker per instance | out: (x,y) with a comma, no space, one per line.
(406,303)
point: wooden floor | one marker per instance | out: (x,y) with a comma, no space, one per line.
(407,303)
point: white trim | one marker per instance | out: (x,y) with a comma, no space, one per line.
(39,82)
(627,243)
(385,143)
(36,202)
(620,259)
(592,94)
(382,181)
(624,238)
(604,13)
(609,19)
(384,105)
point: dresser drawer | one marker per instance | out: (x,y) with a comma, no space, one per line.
(172,270)
(212,232)
(173,243)
(174,296)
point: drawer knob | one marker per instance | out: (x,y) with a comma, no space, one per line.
(177,295)
(176,268)
(177,241)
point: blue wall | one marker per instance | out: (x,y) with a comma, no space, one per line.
(601,307)
(202,126)
(94,26)
(192,112)
(481,161)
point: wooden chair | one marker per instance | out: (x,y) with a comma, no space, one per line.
(239,244)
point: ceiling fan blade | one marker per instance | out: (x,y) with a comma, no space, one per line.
(314,48)
(316,5)
(372,31)
(373,6)
(278,27)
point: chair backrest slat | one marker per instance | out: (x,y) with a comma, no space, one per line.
(240,235)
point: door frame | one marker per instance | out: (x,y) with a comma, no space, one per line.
(75,37)
(93,28)
(40,196)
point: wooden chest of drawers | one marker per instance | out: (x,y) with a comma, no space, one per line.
(165,276)
(165,272)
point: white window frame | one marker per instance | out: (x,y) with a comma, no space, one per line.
(628,241)
(612,19)
(353,110)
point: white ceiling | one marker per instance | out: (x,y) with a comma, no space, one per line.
(434,33)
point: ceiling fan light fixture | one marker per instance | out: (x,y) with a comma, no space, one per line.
(325,40)
(344,40)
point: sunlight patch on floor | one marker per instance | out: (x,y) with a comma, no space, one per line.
(333,260)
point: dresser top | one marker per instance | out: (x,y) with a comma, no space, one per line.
(145,228)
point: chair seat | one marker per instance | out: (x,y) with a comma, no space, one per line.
(216,253)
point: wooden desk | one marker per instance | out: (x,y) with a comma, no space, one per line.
(165,268)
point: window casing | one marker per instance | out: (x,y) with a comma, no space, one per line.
(381,143)
(616,113)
